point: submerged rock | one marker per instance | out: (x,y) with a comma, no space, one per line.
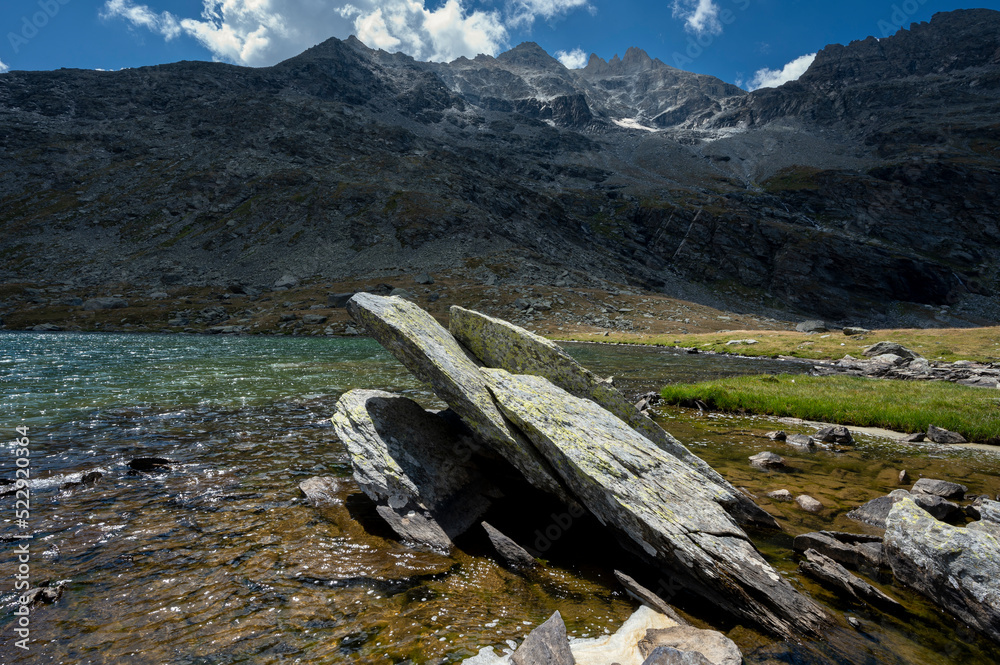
(497,343)
(767,460)
(668,511)
(827,570)
(958,568)
(435,357)
(413,464)
(850,549)
(321,490)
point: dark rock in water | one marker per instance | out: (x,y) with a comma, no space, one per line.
(883,348)
(644,595)
(812,326)
(321,490)
(767,460)
(511,552)
(546,645)
(665,509)
(957,568)
(875,511)
(835,434)
(827,570)
(149,464)
(43,594)
(778,435)
(414,465)
(500,344)
(338,300)
(671,656)
(711,645)
(938,507)
(904,477)
(854,550)
(938,435)
(940,488)
(916,437)
(435,357)
(91,478)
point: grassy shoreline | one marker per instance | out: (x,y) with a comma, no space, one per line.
(945,344)
(905,406)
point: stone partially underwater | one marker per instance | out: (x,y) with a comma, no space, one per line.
(589,449)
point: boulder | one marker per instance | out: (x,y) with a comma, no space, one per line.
(671,656)
(425,348)
(849,549)
(875,511)
(767,460)
(835,434)
(320,490)
(812,327)
(96,304)
(286,282)
(882,348)
(313,319)
(941,488)
(46,327)
(938,507)
(825,569)
(851,331)
(938,435)
(777,435)
(497,343)
(780,495)
(624,645)
(511,552)
(989,511)
(958,568)
(410,463)
(808,504)
(711,645)
(401,293)
(801,441)
(665,509)
(546,645)
(423,278)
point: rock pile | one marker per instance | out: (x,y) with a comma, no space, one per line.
(888,360)
(520,399)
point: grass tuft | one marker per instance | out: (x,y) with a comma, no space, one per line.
(905,406)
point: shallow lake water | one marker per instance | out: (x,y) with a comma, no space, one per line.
(221,560)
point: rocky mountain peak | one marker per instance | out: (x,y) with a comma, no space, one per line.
(529,54)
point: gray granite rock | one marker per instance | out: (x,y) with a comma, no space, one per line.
(546,645)
(711,645)
(320,490)
(667,510)
(938,435)
(854,550)
(827,570)
(957,568)
(767,460)
(410,462)
(511,552)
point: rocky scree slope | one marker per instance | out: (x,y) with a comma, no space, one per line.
(866,191)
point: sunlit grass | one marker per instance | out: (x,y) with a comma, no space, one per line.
(905,406)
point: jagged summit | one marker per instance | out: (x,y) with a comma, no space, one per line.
(636,60)
(529,54)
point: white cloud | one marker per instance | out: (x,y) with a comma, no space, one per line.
(700,16)
(772,78)
(263,32)
(575,59)
(3,68)
(524,12)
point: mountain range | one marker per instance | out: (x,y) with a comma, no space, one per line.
(867,190)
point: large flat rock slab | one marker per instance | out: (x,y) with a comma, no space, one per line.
(500,344)
(435,357)
(407,461)
(665,508)
(957,568)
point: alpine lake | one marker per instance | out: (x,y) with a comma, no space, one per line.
(220,559)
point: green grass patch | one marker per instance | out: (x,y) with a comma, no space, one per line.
(904,406)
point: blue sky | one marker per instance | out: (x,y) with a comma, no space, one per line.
(748,42)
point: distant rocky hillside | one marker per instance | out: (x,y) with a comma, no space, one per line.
(865,191)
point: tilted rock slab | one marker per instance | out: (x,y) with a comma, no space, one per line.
(674,515)
(410,463)
(500,344)
(958,568)
(433,356)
